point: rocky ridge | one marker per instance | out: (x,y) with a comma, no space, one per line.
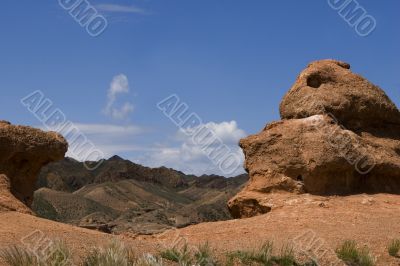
(121,196)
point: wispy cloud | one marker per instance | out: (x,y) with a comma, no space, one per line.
(109,130)
(178,152)
(111,139)
(188,157)
(115,8)
(119,85)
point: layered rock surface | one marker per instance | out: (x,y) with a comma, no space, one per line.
(339,135)
(23,152)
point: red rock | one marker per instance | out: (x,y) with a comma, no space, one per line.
(329,86)
(316,154)
(23,152)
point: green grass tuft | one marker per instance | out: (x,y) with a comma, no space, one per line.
(199,256)
(394,248)
(204,256)
(286,257)
(351,255)
(181,256)
(263,256)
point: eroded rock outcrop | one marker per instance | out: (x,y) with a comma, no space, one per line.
(23,152)
(339,135)
(329,86)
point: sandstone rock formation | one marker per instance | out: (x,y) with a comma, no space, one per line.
(328,86)
(8,202)
(339,135)
(23,152)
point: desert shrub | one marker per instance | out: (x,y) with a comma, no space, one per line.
(170,254)
(394,248)
(350,254)
(17,256)
(116,253)
(204,256)
(60,254)
(286,257)
(264,256)
(261,256)
(181,256)
(198,256)
(148,260)
(56,255)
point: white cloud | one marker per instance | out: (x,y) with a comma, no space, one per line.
(107,138)
(109,130)
(119,85)
(227,132)
(120,8)
(123,112)
(108,150)
(180,153)
(189,157)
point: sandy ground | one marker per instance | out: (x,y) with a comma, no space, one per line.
(314,225)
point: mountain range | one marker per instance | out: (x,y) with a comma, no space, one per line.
(121,196)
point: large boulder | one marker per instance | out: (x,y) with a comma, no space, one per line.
(329,86)
(23,152)
(313,151)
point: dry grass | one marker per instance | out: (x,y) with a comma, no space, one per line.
(350,254)
(394,248)
(117,254)
(264,256)
(57,255)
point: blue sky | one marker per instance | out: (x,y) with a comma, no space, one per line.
(230,61)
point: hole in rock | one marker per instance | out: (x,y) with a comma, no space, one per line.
(315,81)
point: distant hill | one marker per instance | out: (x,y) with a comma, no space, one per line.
(121,196)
